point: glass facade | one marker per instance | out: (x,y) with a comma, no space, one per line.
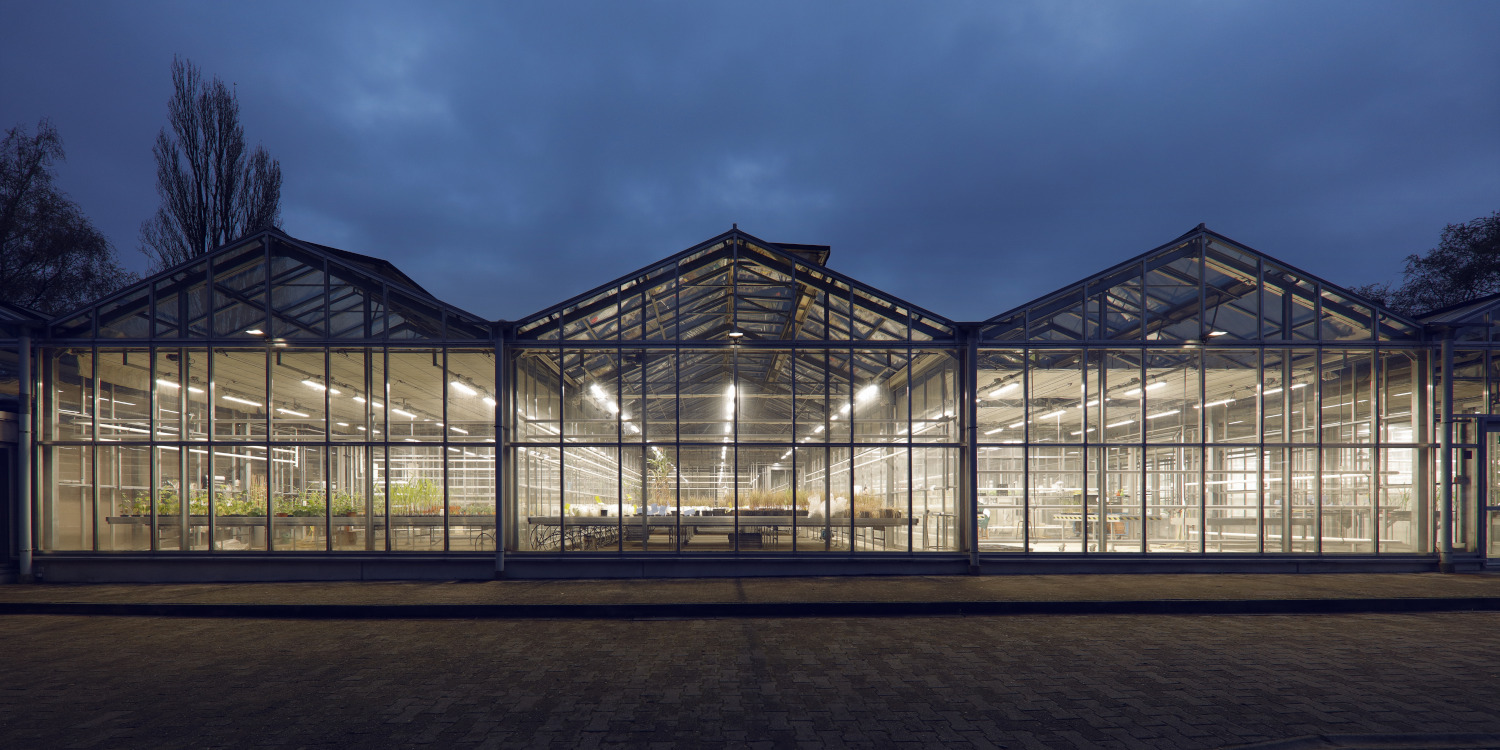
(273,398)
(741,399)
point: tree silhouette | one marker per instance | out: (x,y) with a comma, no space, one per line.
(52,259)
(211,191)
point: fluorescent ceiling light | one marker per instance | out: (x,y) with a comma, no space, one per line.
(1162,414)
(997,429)
(1119,424)
(467,391)
(292,413)
(402,412)
(1004,388)
(868,392)
(489,401)
(255,332)
(239,400)
(320,386)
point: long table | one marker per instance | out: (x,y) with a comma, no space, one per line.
(547,530)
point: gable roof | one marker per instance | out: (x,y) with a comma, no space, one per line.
(1201,286)
(736,285)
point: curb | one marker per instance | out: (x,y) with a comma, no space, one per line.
(709,610)
(1446,741)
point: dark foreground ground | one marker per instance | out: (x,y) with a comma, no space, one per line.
(1126,681)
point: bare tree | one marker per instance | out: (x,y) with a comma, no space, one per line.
(211,192)
(1465,265)
(52,259)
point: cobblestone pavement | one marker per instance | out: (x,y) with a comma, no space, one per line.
(1013,682)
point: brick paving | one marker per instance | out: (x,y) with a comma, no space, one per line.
(1013,682)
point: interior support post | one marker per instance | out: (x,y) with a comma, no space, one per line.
(1445,476)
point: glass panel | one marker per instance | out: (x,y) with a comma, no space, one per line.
(876,319)
(1232,500)
(882,505)
(1121,373)
(239,394)
(1301,402)
(1231,302)
(1002,495)
(706,486)
(1274,377)
(1347,379)
(1231,382)
(1289,306)
(240,292)
(1056,499)
(241,488)
(935,500)
(67,518)
(1001,398)
(763,396)
(766,504)
(357,510)
(840,489)
(171,517)
(1173,281)
(538,498)
(814,526)
(414,396)
(1171,391)
(298,298)
(168,396)
(707,395)
(591,499)
(128,318)
(416,497)
(1400,396)
(1394,329)
(538,395)
(1057,394)
(353,375)
(1009,328)
(934,397)
(298,391)
(643,520)
(124,497)
(880,394)
(196,364)
(1117,301)
(81,326)
(168,303)
(1298,516)
(298,487)
(411,318)
(1121,528)
(197,480)
(1347,503)
(661,396)
(659,290)
(1402,515)
(763,304)
(703,304)
(459,327)
(1345,319)
(194,290)
(591,401)
(124,404)
(471,402)
(1173,492)
(353,312)
(70,395)
(1060,318)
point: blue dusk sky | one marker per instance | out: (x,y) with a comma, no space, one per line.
(965,156)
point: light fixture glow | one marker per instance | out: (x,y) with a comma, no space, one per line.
(465,389)
(868,392)
(402,412)
(1004,388)
(239,400)
(289,412)
(997,429)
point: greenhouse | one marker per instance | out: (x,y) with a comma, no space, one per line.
(280,409)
